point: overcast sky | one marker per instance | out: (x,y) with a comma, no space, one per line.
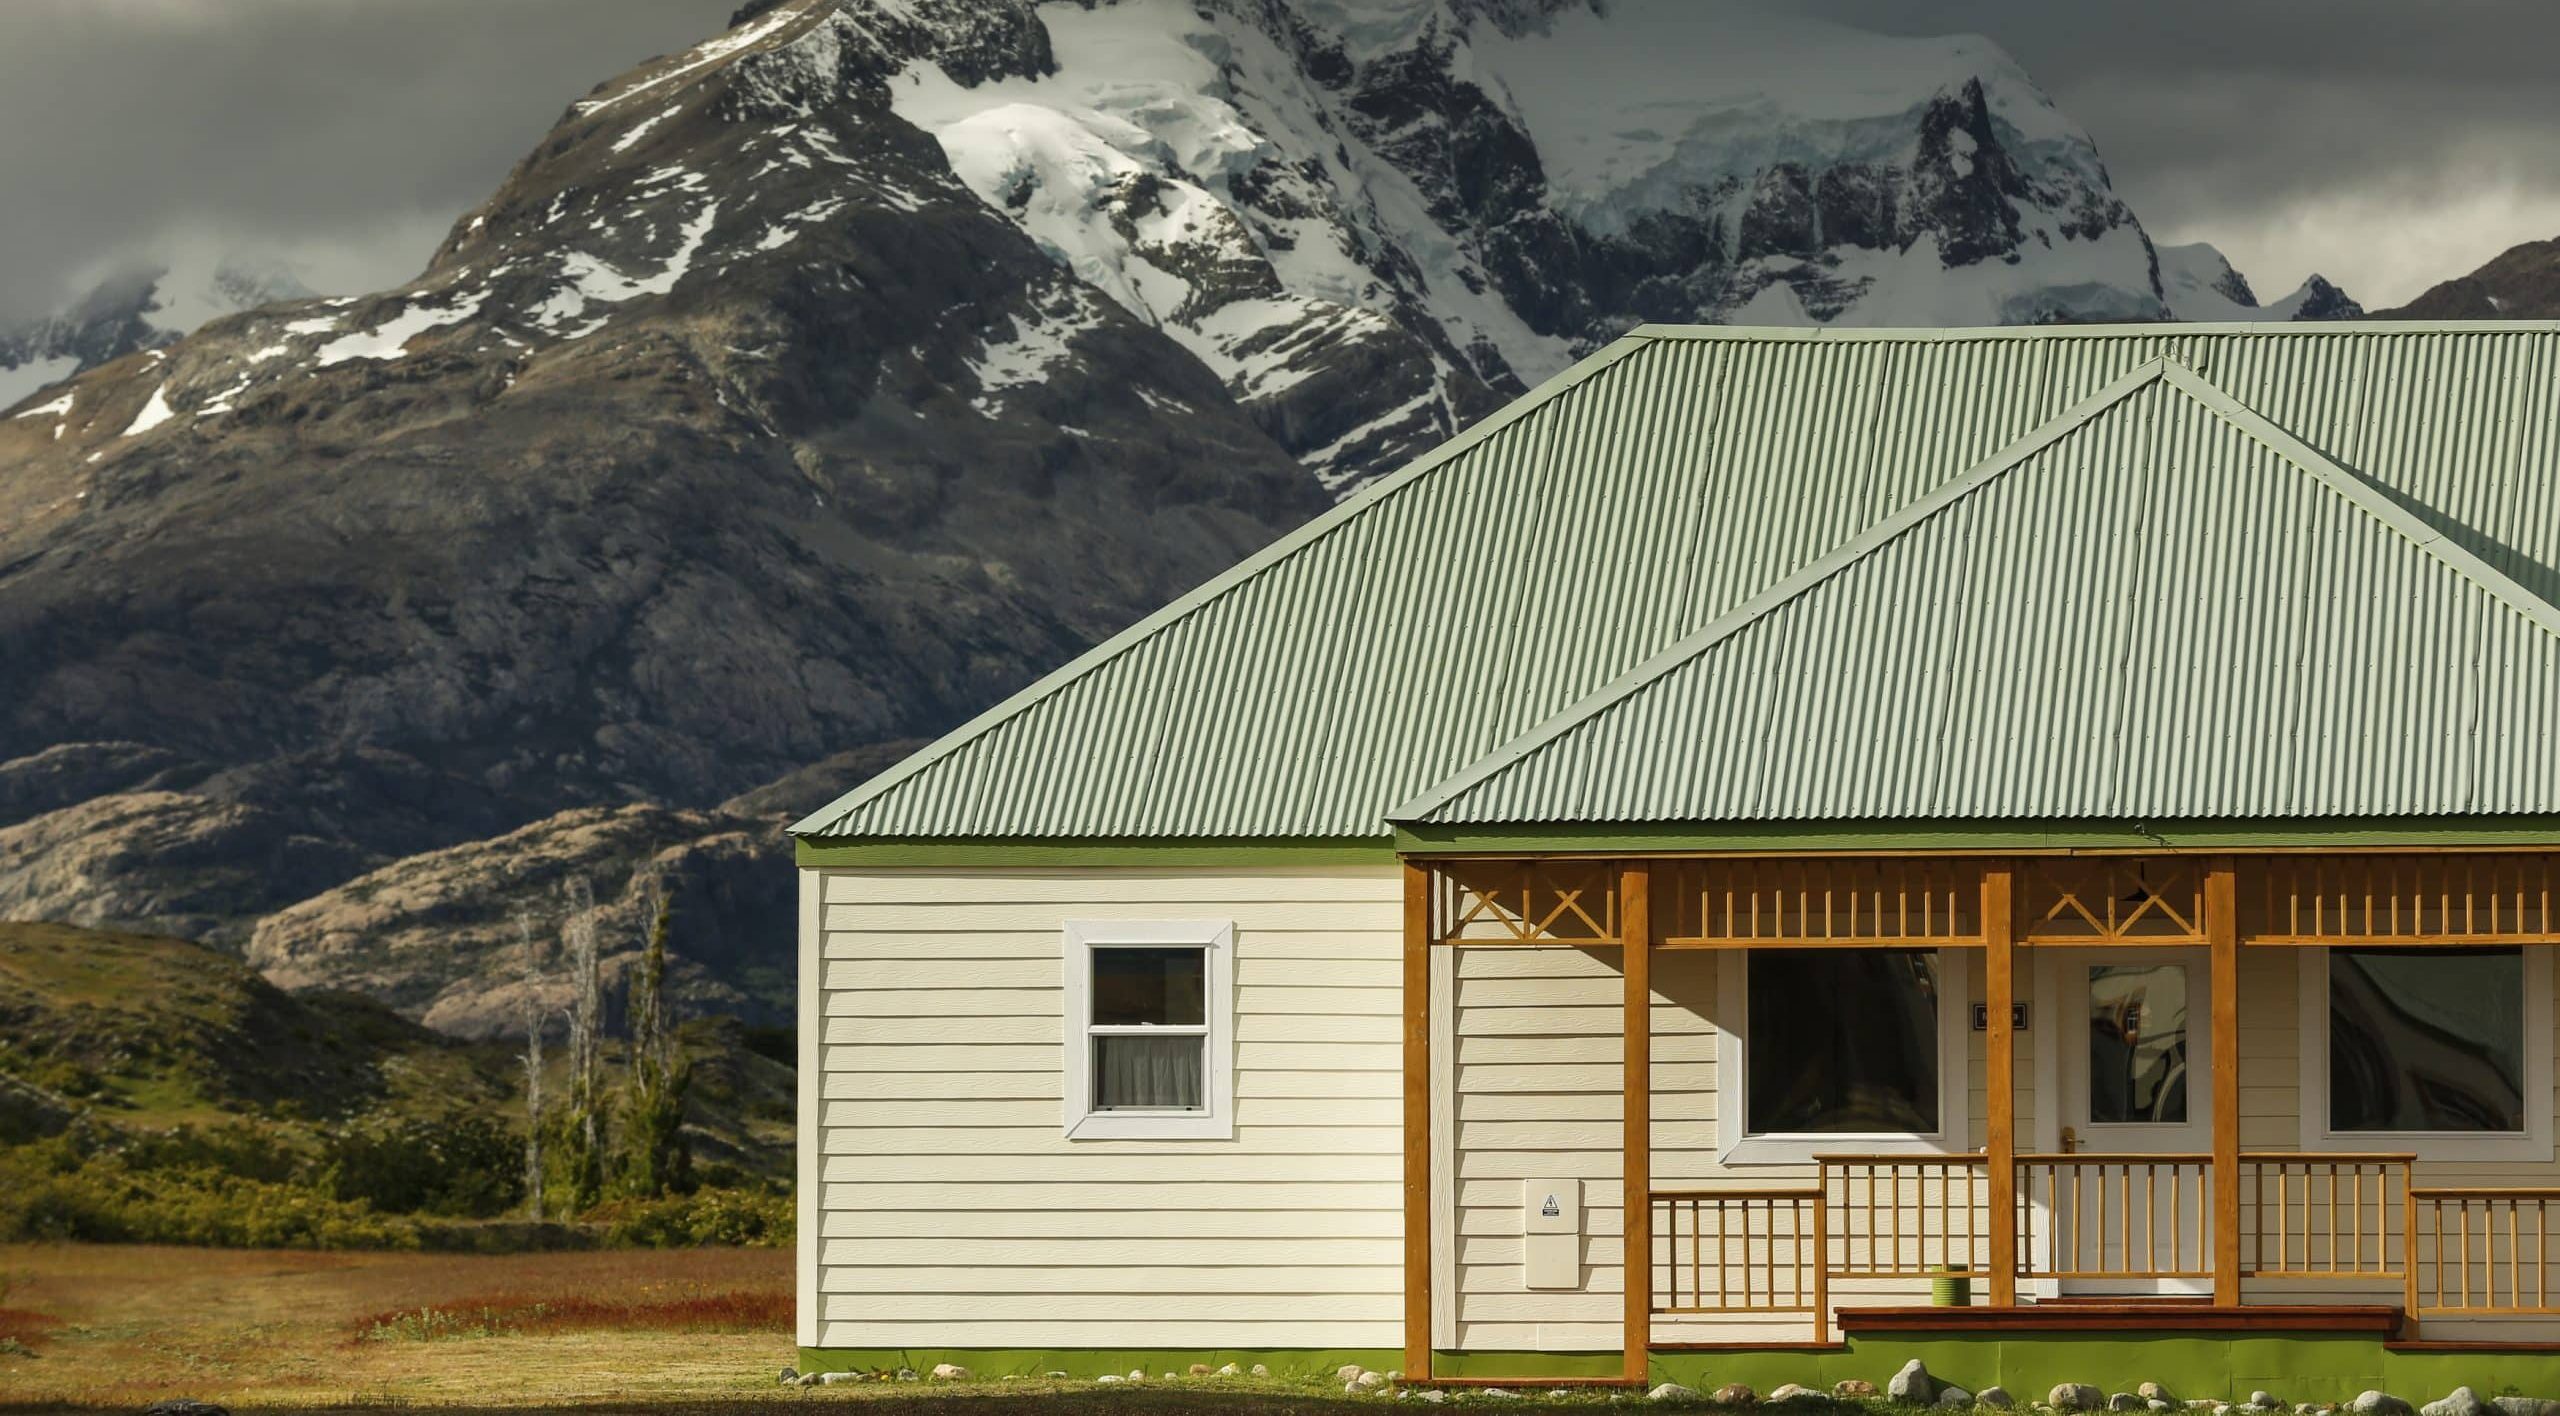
(2385,143)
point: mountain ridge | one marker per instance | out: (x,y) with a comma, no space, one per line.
(800,394)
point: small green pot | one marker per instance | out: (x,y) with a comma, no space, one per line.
(1951,1287)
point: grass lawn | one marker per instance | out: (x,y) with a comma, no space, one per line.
(117,1327)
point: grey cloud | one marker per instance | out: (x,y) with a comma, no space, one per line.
(2385,142)
(350,132)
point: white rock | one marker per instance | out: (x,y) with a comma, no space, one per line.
(950,1372)
(1370,1381)
(1793,1393)
(1671,1391)
(2378,1403)
(1955,1398)
(1260,1370)
(1500,1394)
(2461,1401)
(2075,1396)
(1912,1385)
(2265,1401)
(1995,1396)
(1231,1370)
(1107,1378)
(1055,1376)
(1347,1372)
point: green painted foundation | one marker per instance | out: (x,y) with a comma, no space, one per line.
(2295,1368)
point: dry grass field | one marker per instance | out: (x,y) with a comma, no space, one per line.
(690,1332)
(117,1327)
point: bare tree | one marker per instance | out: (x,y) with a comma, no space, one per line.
(584,1136)
(532,1061)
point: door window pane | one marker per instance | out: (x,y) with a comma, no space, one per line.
(2426,1040)
(1139,987)
(2138,1043)
(1842,1040)
(1139,1073)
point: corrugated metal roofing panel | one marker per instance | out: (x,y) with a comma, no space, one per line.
(2171,612)
(1643,495)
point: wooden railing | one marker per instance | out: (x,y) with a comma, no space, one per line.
(2480,1252)
(1741,1251)
(2324,1216)
(2090,1215)
(1906,1216)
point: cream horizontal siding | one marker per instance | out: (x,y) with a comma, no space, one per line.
(953,1211)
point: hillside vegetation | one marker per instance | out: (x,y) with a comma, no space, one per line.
(154,1090)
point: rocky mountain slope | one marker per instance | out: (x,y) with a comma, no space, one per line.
(2523,283)
(806,392)
(141,307)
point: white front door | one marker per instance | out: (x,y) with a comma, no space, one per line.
(2127,1212)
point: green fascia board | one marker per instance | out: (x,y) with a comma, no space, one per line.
(855,852)
(2359,833)
(2227,1367)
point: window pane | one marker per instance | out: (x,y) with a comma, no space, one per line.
(1842,1040)
(2138,1043)
(1147,1073)
(1162,986)
(2426,1040)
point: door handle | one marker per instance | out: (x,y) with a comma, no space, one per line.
(2070,1141)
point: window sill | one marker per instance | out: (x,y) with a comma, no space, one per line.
(2442,1146)
(1109,1126)
(1800,1150)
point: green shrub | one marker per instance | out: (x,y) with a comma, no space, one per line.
(456,1166)
(50,1191)
(754,1218)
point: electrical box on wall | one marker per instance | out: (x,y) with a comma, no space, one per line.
(1551,1223)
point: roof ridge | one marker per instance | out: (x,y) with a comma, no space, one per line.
(2367,496)
(1820,570)
(826,818)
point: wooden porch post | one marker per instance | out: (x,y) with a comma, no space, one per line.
(1417,1121)
(2222,938)
(2000,1079)
(1635,928)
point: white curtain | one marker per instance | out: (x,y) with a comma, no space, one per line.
(1147,1073)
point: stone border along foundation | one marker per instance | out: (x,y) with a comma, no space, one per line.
(1912,1386)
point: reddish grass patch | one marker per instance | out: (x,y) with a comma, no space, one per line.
(514,1315)
(26,1327)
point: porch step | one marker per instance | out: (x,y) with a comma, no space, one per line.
(2143,1315)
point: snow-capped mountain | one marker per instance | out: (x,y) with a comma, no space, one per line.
(2200,285)
(136,307)
(823,384)
(1376,218)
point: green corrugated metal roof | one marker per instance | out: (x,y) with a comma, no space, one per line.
(1665,483)
(2159,607)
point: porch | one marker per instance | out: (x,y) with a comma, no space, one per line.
(2195,1210)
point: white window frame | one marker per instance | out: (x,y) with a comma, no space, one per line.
(1733,1083)
(1216,1121)
(2531,1144)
